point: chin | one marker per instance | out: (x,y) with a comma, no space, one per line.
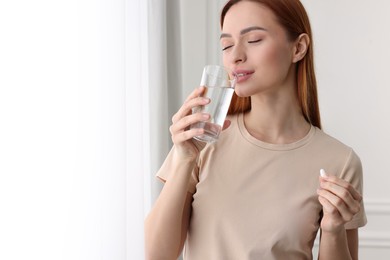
(241,92)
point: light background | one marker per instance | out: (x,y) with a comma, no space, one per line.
(87,90)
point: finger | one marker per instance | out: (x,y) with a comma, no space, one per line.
(187,135)
(186,121)
(346,185)
(342,193)
(186,108)
(341,198)
(195,93)
(328,208)
(338,204)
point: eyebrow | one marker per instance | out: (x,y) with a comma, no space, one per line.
(243,31)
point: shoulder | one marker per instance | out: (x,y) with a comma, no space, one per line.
(335,150)
(329,143)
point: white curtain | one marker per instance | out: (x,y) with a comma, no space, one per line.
(84,117)
(150,100)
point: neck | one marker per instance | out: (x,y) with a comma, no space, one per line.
(276,118)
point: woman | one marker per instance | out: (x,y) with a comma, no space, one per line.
(256,193)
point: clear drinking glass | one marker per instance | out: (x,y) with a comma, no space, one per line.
(219,87)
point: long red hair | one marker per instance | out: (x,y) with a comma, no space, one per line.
(293,18)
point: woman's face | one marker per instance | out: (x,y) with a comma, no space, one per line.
(256,47)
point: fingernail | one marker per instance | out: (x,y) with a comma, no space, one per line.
(205,116)
(323,173)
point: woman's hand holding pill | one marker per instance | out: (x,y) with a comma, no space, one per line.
(340,202)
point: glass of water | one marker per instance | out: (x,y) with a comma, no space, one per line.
(219,87)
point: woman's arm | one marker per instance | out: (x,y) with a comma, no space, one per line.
(167,223)
(353,243)
(340,202)
(342,245)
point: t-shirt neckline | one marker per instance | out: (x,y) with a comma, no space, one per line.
(277,147)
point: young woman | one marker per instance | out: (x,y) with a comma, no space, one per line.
(256,193)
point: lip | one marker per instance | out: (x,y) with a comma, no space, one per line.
(243,75)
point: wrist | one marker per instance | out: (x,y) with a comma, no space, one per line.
(331,226)
(335,234)
(184,158)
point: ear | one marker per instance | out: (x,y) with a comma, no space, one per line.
(301,46)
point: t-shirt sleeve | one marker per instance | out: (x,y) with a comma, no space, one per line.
(353,173)
(166,169)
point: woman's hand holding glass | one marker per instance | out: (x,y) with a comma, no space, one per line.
(340,202)
(182,135)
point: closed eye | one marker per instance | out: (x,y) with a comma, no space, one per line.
(227,47)
(254,41)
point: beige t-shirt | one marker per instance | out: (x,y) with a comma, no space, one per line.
(255,200)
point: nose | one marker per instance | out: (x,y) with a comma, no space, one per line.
(238,54)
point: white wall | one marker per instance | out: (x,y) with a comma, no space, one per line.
(351,47)
(354,88)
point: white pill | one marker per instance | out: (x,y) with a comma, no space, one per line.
(322,173)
